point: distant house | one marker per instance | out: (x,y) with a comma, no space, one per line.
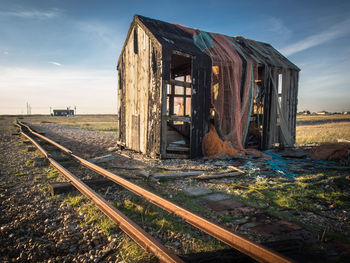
(175,82)
(66,112)
(322,112)
(346,112)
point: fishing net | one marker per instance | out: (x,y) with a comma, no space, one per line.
(232,87)
(213,146)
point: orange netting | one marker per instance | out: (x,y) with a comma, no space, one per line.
(331,151)
(213,146)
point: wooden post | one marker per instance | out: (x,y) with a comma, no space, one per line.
(164,129)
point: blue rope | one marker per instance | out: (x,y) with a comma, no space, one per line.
(279,165)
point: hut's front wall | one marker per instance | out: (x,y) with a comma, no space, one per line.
(140,93)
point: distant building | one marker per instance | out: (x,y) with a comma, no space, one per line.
(66,112)
(322,112)
(346,112)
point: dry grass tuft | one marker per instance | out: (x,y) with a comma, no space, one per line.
(320,129)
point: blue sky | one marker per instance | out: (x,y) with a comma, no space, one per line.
(58,53)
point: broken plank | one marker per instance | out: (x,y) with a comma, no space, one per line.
(174,148)
(102,159)
(179,118)
(217,176)
(124,155)
(176,175)
(343,140)
(124,167)
(235,169)
(143,173)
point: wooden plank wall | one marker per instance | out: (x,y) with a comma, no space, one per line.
(166,65)
(201,94)
(121,100)
(285,103)
(271,132)
(139,98)
(294,100)
(290,102)
(154,101)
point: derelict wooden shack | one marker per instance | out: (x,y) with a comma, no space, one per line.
(174,81)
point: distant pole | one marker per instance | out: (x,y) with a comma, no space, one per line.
(75,110)
(50,111)
(27,109)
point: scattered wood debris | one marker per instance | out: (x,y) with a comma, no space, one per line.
(176,175)
(102,159)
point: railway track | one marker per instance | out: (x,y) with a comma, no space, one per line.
(145,240)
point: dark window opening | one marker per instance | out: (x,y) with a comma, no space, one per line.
(136,44)
(154,62)
(181,66)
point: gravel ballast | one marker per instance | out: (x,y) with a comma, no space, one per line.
(35,227)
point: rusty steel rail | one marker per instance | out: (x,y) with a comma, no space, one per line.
(252,249)
(134,231)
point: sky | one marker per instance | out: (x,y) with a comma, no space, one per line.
(60,53)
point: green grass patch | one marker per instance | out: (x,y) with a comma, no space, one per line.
(53,174)
(132,252)
(29,163)
(23,151)
(190,203)
(74,199)
(44,189)
(228,218)
(20,174)
(151,216)
(94,215)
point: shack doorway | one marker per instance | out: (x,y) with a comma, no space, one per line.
(256,126)
(179,106)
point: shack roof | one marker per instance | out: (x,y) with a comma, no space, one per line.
(183,39)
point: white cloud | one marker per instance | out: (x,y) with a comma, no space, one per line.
(101,33)
(5,52)
(32,14)
(331,33)
(279,28)
(55,63)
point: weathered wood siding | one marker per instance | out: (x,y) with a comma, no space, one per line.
(139,95)
(272,131)
(200,103)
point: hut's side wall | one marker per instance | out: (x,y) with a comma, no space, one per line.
(273,132)
(139,93)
